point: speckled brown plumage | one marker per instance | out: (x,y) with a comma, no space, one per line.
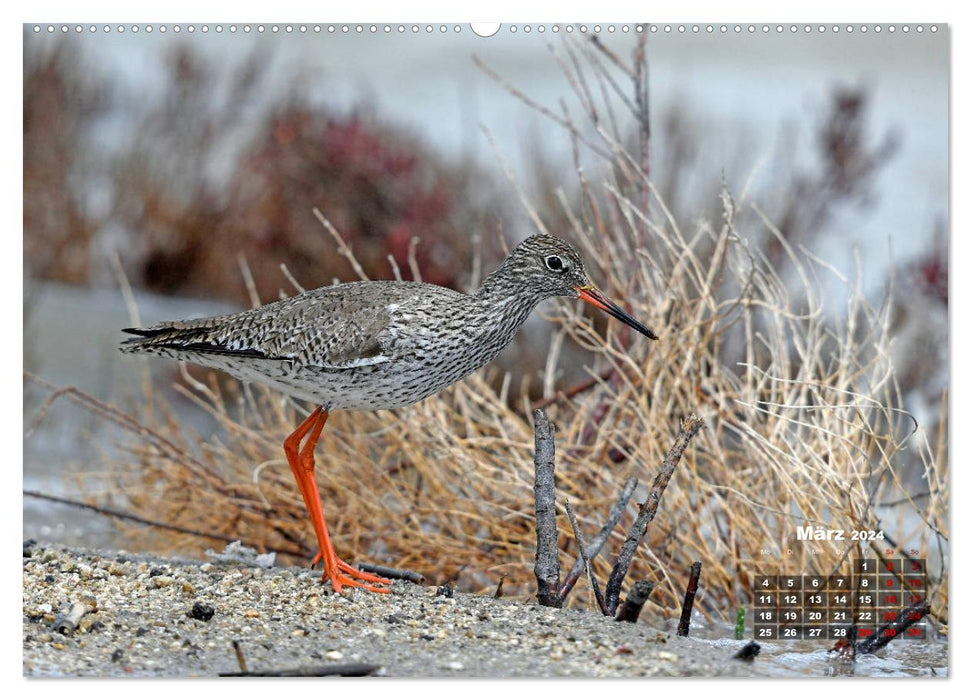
(371,345)
(374,345)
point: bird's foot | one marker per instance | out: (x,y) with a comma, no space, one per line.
(343,574)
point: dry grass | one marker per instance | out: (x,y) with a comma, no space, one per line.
(805,425)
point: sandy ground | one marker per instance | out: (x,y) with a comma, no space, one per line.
(148,616)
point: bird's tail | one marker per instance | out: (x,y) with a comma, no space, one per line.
(191,337)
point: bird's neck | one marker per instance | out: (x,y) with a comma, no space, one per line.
(506,301)
(506,286)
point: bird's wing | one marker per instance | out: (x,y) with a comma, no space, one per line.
(338,327)
(352,333)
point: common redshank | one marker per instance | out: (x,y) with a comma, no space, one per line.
(374,345)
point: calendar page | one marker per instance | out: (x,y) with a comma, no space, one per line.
(524,349)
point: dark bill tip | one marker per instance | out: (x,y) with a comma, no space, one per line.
(595,297)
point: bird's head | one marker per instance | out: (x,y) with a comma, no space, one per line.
(553,268)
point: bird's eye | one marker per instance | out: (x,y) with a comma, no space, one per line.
(555,263)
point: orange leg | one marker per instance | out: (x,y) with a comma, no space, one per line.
(301,461)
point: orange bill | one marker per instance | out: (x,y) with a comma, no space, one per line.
(595,297)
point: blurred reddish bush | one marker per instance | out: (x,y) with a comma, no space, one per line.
(378,188)
(60,100)
(212,174)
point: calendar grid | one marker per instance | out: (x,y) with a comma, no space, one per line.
(796,606)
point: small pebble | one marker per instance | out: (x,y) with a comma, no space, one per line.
(202,611)
(87,622)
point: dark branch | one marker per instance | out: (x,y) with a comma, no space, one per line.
(636,597)
(388,572)
(908,616)
(689,428)
(547,567)
(307,672)
(684,624)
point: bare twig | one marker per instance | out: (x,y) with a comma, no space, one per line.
(574,132)
(684,624)
(126,293)
(547,567)
(586,562)
(597,543)
(636,597)
(413,258)
(908,616)
(342,246)
(254,296)
(388,572)
(308,672)
(395,270)
(291,279)
(689,428)
(239,656)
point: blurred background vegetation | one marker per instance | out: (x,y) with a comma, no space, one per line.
(209,187)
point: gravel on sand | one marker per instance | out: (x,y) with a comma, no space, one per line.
(96,613)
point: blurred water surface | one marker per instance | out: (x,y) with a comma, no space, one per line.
(763,90)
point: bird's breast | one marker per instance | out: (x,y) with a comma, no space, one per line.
(430,356)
